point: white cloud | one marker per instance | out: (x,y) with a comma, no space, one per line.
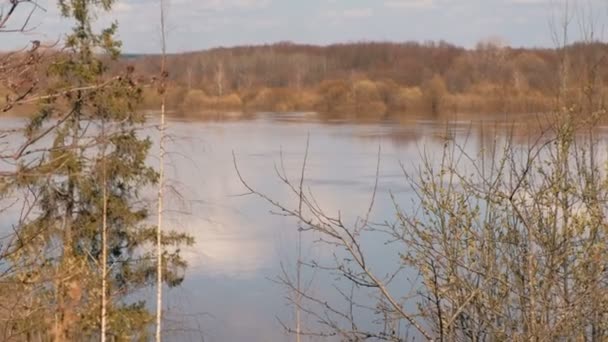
(352,13)
(265,23)
(530,2)
(221,5)
(184,9)
(410,3)
(358,13)
(122,7)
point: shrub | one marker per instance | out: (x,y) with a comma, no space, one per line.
(229,102)
(367,98)
(434,92)
(274,99)
(336,97)
(195,99)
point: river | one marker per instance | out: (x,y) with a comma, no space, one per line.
(231,291)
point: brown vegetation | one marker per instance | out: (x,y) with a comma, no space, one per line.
(373,79)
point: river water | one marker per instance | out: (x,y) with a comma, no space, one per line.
(231,291)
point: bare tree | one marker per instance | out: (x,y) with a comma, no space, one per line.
(161,182)
(219,79)
(104,238)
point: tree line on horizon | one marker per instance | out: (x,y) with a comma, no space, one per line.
(376,78)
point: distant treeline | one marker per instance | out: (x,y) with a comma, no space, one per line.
(378,78)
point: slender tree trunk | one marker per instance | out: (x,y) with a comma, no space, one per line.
(65,305)
(299,289)
(104,240)
(299,262)
(159,249)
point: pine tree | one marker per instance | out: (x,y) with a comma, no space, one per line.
(56,258)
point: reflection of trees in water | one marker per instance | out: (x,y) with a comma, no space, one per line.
(397,137)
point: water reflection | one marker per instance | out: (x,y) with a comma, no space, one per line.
(228,294)
(240,246)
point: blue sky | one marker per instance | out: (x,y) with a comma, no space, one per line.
(201,24)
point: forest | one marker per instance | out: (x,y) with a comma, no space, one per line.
(375,79)
(365,79)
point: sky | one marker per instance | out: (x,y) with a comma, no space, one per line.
(202,24)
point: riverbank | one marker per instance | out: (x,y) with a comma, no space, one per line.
(357,99)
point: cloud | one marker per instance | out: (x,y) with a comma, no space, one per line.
(410,3)
(186,8)
(265,23)
(199,24)
(122,7)
(358,13)
(529,2)
(221,5)
(351,13)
